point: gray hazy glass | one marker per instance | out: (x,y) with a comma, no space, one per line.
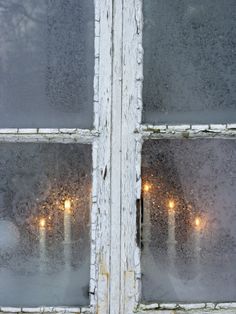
(46,63)
(189,221)
(189,61)
(44,265)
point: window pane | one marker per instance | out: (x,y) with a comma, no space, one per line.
(46,63)
(44,224)
(189,220)
(189,61)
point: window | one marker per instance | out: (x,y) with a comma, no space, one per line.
(188,235)
(45,201)
(186,203)
(49,61)
(46,72)
(175,80)
(189,64)
(90,99)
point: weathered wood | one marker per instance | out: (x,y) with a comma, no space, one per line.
(103,165)
(131,117)
(116,136)
(186,131)
(115,277)
(48,135)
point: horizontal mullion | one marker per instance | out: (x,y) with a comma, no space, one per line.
(77,310)
(184,307)
(187,131)
(62,135)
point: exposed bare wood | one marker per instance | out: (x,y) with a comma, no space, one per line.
(116,136)
(103,164)
(131,117)
(186,131)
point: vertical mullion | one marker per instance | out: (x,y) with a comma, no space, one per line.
(116,158)
(103,164)
(131,143)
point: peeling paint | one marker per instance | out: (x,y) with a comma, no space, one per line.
(115,283)
(186,131)
(187,308)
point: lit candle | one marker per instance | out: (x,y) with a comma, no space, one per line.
(147,213)
(42,243)
(171,232)
(67,233)
(197,234)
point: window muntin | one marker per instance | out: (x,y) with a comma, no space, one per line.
(46,63)
(45,193)
(132,81)
(189,61)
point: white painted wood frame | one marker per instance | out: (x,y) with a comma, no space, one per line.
(115,282)
(133,135)
(100,139)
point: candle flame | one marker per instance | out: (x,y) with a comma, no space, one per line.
(146,187)
(197,222)
(171,204)
(42,222)
(67,205)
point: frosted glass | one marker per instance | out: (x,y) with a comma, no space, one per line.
(45,196)
(189,61)
(46,63)
(189,221)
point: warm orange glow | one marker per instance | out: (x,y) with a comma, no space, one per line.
(42,222)
(197,222)
(67,205)
(146,187)
(171,204)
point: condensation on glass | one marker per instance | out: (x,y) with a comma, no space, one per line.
(46,63)
(189,61)
(188,220)
(45,199)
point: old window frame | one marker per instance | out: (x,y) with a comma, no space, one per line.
(117,137)
(99,138)
(134,134)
